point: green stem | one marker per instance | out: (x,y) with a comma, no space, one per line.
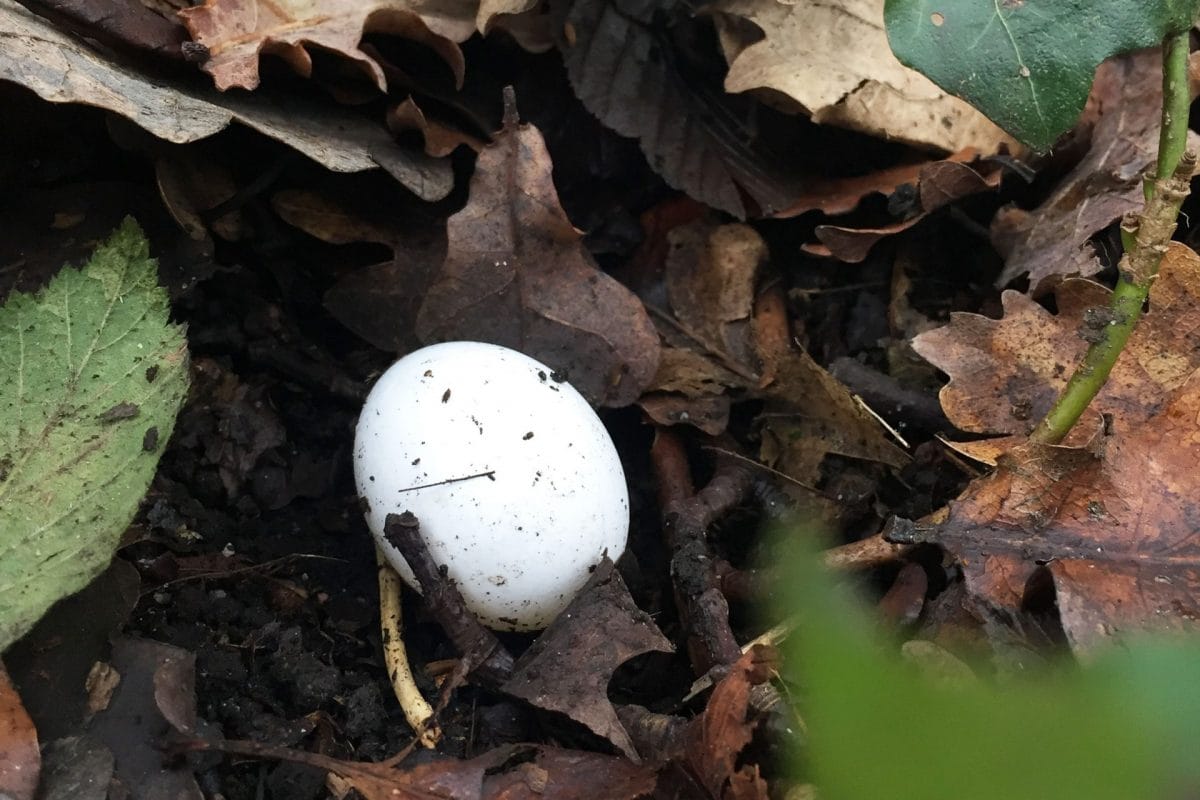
(1146,240)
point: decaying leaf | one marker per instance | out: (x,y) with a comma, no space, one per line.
(440,139)
(1005,374)
(517,274)
(938,184)
(60,69)
(20,758)
(1113,531)
(725,729)
(236,32)
(1051,242)
(626,72)
(69,481)
(723,344)
(832,59)
(570,665)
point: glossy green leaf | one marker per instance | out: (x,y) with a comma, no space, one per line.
(1026,64)
(92,374)
(1125,728)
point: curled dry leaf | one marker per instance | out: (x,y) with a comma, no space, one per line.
(1051,242)
(938,184)
(237,32)
(517,274)
(20,757)
(71,72)
(440,139)
(569,667)
(832,60)
(1005,374)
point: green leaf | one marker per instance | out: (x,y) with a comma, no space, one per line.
(92,375)
(1125,728)
(1026,64)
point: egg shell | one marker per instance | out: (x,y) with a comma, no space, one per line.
(515,481)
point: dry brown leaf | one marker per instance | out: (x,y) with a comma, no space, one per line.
(569,667)
(718,737)
(68,71)
(489,10)
(701,141)
(832,59)
(440,138)
(237,32)
(1114,531)
(809,414)
(20,758)
(938,184)
(517,274)
(192,183)
(711,273)
(1005,374)
(1051,242)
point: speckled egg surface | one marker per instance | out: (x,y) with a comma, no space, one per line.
(514,479)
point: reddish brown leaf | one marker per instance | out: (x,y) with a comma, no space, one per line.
(938,184)
(1005,374)
(570,665)
(571,775)
(1051,242)
(236,32)
(726,727)
(517,274)
(1115,528)
(840,195)
(20,758)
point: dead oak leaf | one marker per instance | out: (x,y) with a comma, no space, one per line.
(517,274)
(1005,374)
(570,665)
(1113,532)
(832,59)
(237,32)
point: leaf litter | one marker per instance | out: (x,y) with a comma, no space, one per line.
(712,345)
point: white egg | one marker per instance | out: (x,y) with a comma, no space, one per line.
(514,479)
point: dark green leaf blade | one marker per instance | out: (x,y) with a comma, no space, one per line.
(87,367)
(1026,64)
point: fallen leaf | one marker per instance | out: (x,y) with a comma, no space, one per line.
(726,727)
(68,71)
(76,768)
(1005,374)
(711,275)
(191,183)
(130,26)
(94,338)
(570,665)
(832,59)
(20,758)
(440,138)
(1112,530)
(835,196)
(571,775)
(237,32)
(1052,241)
(517,274)
(489,10)
(701,141)
(938,184)
(808,414)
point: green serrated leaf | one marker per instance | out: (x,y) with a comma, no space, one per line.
(88,367)
(1026,64)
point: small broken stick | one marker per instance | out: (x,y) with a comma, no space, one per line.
(485,658)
